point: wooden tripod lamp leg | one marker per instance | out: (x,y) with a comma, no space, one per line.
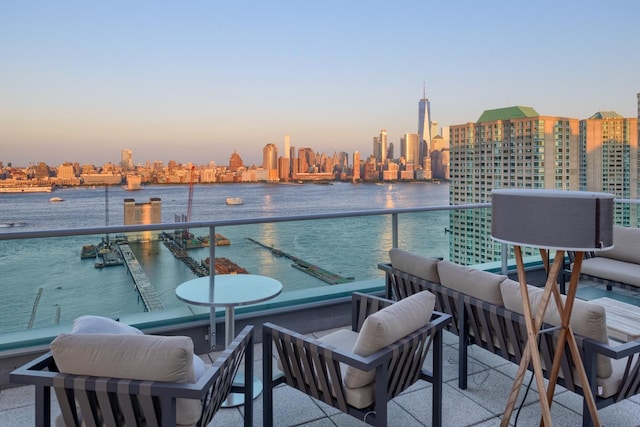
(531,353)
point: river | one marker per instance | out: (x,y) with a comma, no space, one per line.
(44,281)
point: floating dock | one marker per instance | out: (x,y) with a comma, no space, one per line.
(142,283)
(307,267)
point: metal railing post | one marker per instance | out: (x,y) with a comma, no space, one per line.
(212,280)
(504,255)
(394,226)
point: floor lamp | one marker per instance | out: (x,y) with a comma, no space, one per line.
(551,220)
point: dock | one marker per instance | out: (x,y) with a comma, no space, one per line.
(307,267)
(141,282)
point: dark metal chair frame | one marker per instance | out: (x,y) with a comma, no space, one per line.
(314,367)
(608,283)
(494,328)
(113,401)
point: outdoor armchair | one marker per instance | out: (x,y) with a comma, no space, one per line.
(157,386)
(359,371)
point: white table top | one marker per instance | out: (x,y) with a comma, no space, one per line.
(229,290)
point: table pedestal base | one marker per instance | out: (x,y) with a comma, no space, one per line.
(237,399)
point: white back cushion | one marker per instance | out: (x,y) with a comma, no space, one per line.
(387,326)
(416,265)
(140,357)
(587,319)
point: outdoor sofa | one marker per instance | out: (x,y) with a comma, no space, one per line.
(618,266)
(487,312)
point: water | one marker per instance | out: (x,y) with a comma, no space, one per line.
(44,281)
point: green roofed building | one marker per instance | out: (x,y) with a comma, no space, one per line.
(515,147)
(508,113)
(512,147)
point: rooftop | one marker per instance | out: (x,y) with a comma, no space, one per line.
(507,113)
(481,404)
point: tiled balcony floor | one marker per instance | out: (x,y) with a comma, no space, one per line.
(481,404)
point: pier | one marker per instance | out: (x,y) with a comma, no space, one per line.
(307,267)
(142,283)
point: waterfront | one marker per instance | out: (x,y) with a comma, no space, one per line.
(49,274)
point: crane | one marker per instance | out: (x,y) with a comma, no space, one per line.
(192,177)
(106,209)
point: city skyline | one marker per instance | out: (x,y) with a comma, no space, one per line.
(198,81)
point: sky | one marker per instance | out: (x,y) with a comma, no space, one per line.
(194,81)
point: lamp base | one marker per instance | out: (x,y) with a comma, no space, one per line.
(533,323)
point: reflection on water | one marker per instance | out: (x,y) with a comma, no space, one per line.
(44,281)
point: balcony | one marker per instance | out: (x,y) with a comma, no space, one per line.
(307,309)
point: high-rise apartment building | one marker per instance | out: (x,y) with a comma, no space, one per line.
(609,160)
(126,159)
(380,147)
(377,149)
(287,146)
(356,166)
(512,147)
(410,148)
(383,146)
(270,161)
(306,160)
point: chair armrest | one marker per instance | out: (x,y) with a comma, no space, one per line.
(629,384)
(330,353)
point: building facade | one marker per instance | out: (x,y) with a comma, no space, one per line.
(410,149)
(609,160)
(512,147)
(424,127)
(270,161)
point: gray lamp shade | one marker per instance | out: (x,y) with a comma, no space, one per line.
(553,219)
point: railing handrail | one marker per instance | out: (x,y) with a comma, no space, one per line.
(240,221)
(226,222)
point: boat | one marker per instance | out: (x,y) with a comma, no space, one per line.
(56,199)
(88,252)
(234,201)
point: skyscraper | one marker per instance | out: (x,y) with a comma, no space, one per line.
(424,126)
(356,166)
(126,159)
(270,161)
(512,147)
(609,160)
(383,146)
(287,146)
(410,148)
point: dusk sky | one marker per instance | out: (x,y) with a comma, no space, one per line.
(196,80)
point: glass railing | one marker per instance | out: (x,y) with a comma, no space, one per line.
(318,258)
(50,277)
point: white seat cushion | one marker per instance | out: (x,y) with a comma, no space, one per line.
(359,397)
(612,269)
